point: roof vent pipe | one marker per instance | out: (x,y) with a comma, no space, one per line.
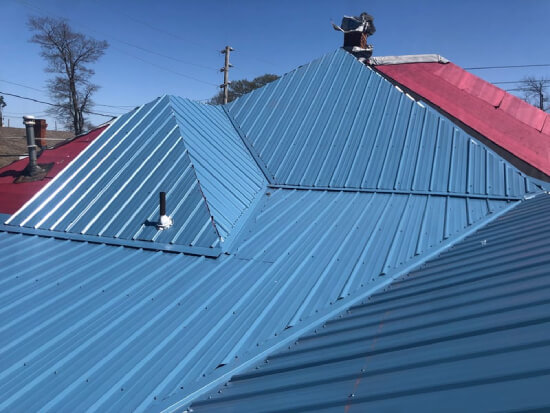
(33,168)
(165,221)
(356,29)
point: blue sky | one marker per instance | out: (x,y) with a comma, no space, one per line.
(173,46)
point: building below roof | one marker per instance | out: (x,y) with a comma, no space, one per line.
(13,196)
(290,205)
(469,331)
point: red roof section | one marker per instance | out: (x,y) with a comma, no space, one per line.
(504,119)
(13,196)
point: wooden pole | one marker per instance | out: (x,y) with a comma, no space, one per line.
(225,70)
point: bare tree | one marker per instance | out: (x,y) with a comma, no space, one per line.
(68,54)
(535,92)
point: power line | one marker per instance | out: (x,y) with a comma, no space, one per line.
(44,91)
(517,81)
(506,67)
(25,86)
(28,4)
(53,104)
(201,46)
(164,68)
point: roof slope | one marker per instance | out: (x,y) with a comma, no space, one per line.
(336,123)
(101,327)
(504,119)
(170,145)
(229,178)
(14,196)
(470,330)
(97,326)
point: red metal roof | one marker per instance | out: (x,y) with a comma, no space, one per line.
(514,125)
(13,196)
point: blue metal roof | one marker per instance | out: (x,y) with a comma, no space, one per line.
(336,123)
(189,150)
(228,176)
(112,328)
(470,331)
(106,327)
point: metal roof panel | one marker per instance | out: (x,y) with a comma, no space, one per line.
(336,123)
(97,326)
(467,331)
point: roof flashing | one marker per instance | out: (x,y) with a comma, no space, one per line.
(413,58)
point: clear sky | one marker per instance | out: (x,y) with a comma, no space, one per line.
(159,47)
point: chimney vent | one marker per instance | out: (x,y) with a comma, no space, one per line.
(356,29)
(33,168)
(165,221)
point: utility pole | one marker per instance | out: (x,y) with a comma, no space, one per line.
(225,70)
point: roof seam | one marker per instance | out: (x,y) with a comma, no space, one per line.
(212,219)
(259,161)
(394,191)
(96,239)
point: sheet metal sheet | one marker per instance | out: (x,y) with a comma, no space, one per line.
(468,332)
(189,150)
(230,179)
(336,123)
(114,328)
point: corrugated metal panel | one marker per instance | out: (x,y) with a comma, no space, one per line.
(336,123)
(113,328)
(228,175)
(189,150)
(506,120)
(470,331)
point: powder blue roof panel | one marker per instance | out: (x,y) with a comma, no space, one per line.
(97,326)
(468,331)
(228,175)
(189,150)
(336,123)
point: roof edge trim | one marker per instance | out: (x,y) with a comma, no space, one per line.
(95,239)
(221,376)
(411,58)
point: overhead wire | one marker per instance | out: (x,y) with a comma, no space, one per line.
(33,6)
(42,90)
(194,43)
(507,66)
(53,104)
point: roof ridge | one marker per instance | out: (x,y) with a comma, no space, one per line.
(188,155)
(408,58)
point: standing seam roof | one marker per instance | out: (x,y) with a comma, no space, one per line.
(111,328)
(468,331)
(189,150)
(335,123)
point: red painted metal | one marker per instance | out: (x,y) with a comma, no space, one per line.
(13,196)
(519,128)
